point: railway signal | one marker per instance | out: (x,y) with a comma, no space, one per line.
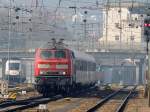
(147,32)
(147,39)
(147,28)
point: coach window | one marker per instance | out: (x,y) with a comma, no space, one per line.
(88,66)
(60,54)
(77,65)
(85,65)
(80,63)
(92,66)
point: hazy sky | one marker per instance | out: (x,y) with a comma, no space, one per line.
(52,4)
(55,3)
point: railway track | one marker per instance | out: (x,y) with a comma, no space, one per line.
(75,100)
(13,106)
(19,94)
(79,102)
(114,102)
(65,99)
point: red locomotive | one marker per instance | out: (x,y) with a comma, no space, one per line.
(60,69)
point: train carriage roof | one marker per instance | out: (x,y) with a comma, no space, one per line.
(83,56)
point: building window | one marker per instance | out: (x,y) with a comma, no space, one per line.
(119,11)
(132,38)
(116,37)
(117,25)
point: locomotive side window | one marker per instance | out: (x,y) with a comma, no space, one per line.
(46,54)
(72,54)
(60,54)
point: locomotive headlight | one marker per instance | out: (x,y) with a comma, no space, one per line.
(42,72)
(64,73)
(62,66)
(43,66)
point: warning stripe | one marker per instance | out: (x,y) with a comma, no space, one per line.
(12,95)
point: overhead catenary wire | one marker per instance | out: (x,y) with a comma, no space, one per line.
(60,7)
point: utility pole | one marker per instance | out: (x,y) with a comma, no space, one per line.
(37,3)
(75,12)
(85,22)
(85,28)
(9,31)
(120,23)
(107,9)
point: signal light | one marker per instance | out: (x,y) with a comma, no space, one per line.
(146,25)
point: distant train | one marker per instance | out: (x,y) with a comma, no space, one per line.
(60,69)
(13,71)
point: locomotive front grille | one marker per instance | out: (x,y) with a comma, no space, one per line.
(51,73)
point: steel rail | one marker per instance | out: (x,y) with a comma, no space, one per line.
(27,102)
(125,101)
(103,101)
(32,103)
(17,102)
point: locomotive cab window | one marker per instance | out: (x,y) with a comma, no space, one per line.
(60,54)
(13,66)
(46,54)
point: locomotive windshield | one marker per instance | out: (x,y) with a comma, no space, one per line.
(46,54)
(60,54)
(14,66)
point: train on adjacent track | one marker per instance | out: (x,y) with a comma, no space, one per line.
(14,71)
(60,69)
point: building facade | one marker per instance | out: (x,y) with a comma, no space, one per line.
(122,27)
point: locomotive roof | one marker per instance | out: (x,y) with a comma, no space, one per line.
(77,54)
